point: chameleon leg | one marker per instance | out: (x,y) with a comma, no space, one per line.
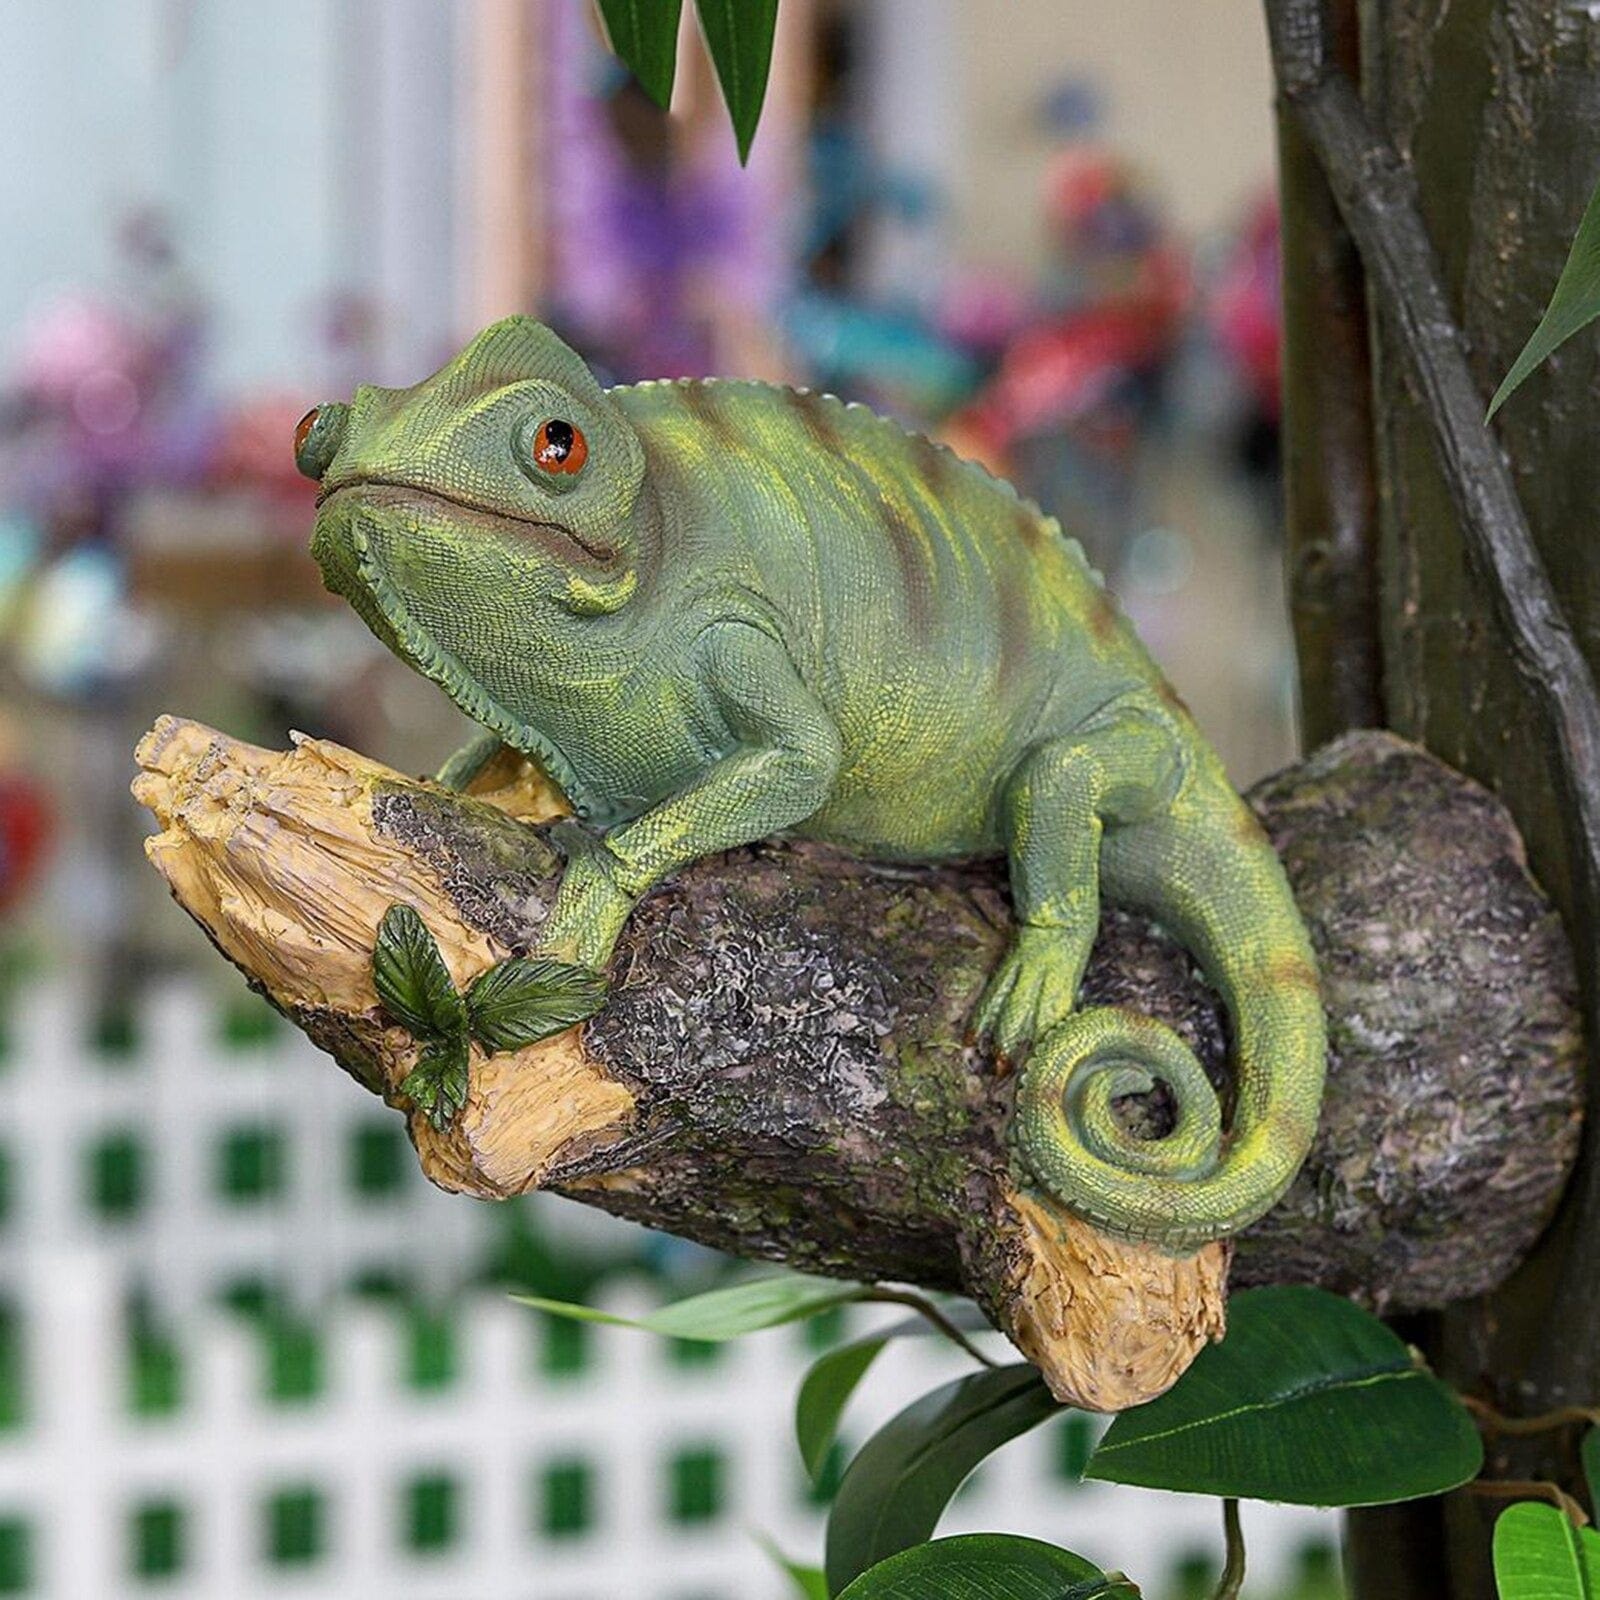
(470,760)
(1122,766)
(783,757)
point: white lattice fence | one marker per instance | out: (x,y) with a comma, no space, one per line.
(200,1164)
(634,1476)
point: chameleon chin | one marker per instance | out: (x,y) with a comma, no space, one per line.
(715,611)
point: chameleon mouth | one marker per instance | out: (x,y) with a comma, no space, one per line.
(351,568)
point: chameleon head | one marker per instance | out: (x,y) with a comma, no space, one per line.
(483,522)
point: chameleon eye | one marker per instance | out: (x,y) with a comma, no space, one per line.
(560,447)
(317,437)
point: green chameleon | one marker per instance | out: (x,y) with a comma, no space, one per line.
(716,611)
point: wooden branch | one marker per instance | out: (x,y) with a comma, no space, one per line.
(782,1068)
(1329,471)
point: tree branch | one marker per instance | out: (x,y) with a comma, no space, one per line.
(782,1068)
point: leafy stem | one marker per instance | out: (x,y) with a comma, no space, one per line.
(514,1003)
(1492,1421)
(1530,1489)
(1232,1579)
(926,1309)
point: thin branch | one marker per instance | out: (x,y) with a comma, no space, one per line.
(1376,195)
(1329,467)
(1531,1489)
(930,1313)
(1492,1421)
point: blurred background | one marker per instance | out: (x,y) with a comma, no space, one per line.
(243,1349)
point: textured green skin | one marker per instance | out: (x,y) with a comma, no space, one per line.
(758,610)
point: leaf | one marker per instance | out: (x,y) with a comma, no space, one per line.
(526,999)
(739,35)
(644,33)
(808,1582)
(824,1393)
(1590,1453)
(411,978)
(896,1488)
(438,1082)
(833,1377)
(1309,1399)
(1574,304)
(985,1566)
(764,1302)
(1539,1555)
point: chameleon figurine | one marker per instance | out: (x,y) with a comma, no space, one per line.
(714,611)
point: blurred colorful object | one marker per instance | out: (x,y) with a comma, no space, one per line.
(1246,310)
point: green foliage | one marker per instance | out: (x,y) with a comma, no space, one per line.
(738,35)
(827,1387)
(644,33)
(526,999)
(898,1485)
(986,1566)
(512,1004)
(764,1302)
(807,1583)
(1308,1399)
(1575,303)
(824,1393)
(411,978)
(1539,1555)
(438,1082)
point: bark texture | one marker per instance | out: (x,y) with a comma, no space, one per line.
(782,1068)
(1488,112)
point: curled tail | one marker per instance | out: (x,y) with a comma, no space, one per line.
(1208,874)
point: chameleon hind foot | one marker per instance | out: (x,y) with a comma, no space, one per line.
(1034,987)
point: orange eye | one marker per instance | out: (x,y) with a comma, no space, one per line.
(302,429)
(558,446)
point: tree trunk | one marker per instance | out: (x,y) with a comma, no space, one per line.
(1494,107)
(782,1068)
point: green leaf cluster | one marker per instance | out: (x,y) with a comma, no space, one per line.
(1309,1399)
(514,1003)
(738,36)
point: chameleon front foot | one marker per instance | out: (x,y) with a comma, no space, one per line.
(1033,988)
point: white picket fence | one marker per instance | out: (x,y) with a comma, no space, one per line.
(82,1468)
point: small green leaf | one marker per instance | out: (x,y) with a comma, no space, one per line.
(526,999)
(824,1393)
(411,978)
(1590,1453)
(1575,304)
(895,1490)
(719,1314)
(808,1582)
(438,1082)
(738,35)
(644,33)
(986,1566)
(833,1377)
(1539,1555)
(1309,1399)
